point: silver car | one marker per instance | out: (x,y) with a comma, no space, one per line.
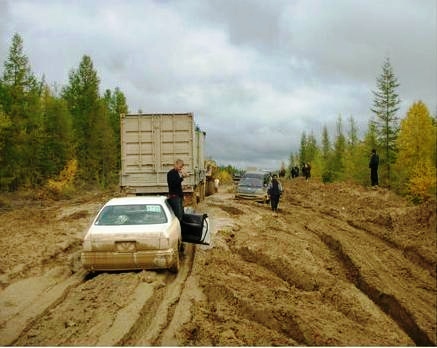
(253,185)
(140,233)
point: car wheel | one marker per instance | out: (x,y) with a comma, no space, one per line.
(174,268)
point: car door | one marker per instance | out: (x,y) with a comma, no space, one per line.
(195,229)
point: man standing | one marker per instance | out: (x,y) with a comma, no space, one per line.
(274,191)
(373,165)
(306,170)
(175,177)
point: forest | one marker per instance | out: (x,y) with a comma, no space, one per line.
(60,139)
(406,146)
(57,139)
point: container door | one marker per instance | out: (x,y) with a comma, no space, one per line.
(195,229)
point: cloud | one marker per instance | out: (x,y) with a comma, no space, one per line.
(255,73)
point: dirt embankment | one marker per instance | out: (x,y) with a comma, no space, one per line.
(340,265)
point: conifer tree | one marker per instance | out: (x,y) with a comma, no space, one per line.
(417,145)
(20,101)
(326,157)
(116,105)
(385,105)
(57,134)
(91,125)
(355,162)
(339,150)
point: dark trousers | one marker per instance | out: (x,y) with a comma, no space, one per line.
(274,201)
(177,204)
(374,176)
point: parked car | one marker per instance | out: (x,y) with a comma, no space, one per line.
(140,233)
(253,185)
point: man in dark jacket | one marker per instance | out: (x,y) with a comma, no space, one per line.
(373,165)
(274,191)
(175,177)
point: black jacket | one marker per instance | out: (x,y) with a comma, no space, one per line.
(374,161)
(174,181)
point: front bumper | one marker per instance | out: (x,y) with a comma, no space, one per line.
(118,261)
(252,196)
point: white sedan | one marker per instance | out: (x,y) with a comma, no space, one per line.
(140,233)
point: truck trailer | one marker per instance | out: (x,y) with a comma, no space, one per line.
(150,145)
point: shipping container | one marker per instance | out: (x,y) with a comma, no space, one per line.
(150,145)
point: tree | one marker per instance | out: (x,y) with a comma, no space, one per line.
(94,136)
(417,145)
(326,157)
(116,104)
(308,148)
(5,124)
(339,151)
(57,135)
(20,100)
(355,161)
(385,105)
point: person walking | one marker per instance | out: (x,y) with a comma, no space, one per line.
(274,191)
(306,170)
(175,177)
(373,165)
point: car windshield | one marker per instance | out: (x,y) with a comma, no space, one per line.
(251,182)
(132,214)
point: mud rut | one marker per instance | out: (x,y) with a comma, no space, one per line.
(313,275)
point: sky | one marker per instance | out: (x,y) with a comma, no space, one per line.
(256,74)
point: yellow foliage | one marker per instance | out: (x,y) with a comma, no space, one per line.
(416,140)
(225,177)
(65,180)
(414,166)
(422,182)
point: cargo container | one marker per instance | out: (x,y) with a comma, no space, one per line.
(151,143)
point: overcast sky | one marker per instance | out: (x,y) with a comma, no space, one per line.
(255,73)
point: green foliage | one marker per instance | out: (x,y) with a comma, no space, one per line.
(20,102)
(40,133)
(94,143)
(308,148)
(356,156)
(385,105)
(5,124)
(57,134)
(229,169)
(115,103)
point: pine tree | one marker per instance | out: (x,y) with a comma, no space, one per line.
(385,105)
(89,120)
(116,105)
(326,157)
(20,100)
(57,135)
(339,151)
(355,163)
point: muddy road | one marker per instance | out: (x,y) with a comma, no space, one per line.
(339,265)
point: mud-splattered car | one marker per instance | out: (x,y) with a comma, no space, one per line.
(140,233)
(253,185)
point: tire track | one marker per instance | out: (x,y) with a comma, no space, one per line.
(157,316)
(388,302)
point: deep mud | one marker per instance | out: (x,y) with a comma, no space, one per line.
(340,265)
